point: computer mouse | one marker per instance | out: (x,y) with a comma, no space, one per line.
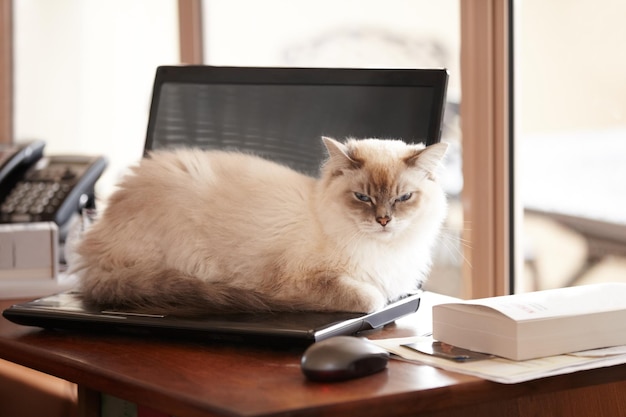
(341,358)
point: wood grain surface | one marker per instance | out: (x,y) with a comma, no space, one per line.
(197,378)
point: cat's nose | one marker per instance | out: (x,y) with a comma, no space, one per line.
(383,220)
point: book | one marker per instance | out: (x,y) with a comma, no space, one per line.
(536,324)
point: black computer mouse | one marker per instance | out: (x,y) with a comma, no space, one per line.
(343,357)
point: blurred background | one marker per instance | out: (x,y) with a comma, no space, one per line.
(84,72)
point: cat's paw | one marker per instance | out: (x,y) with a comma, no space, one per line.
(370,301)
(361,298)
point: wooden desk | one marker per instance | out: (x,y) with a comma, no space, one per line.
(185,378)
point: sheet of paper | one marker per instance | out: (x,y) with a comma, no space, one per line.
(504,370)
(609,351)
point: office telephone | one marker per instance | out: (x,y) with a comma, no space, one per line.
(38,188)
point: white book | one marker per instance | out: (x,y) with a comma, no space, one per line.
(536,324)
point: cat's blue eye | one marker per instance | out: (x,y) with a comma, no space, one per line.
(363,197)
(404,197)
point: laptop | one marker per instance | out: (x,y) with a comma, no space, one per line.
(66,311)
(279,113)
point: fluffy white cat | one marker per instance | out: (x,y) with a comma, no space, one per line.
(192,231)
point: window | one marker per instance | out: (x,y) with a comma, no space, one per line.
(572,141)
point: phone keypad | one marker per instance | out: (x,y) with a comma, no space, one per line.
(33,200)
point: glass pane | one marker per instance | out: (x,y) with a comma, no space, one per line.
(358,34)
(572,141)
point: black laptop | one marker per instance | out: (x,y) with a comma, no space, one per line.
(66,311)
(279,113)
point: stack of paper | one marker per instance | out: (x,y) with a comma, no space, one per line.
(507,371)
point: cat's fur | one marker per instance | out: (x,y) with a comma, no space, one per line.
(193,231)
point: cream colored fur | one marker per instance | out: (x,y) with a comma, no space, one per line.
(193,231)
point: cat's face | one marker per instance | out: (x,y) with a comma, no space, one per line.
(382,188)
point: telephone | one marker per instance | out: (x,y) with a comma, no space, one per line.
(38,188)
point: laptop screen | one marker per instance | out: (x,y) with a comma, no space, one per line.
(281,113)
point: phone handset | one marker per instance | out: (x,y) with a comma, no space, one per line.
(15,160)
(51,188)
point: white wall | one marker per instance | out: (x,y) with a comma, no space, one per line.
(84,71)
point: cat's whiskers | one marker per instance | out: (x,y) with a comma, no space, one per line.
(449,242)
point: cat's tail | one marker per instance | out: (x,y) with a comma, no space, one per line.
(169,293)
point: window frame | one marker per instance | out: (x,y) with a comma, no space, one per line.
(190,30)
(6,71)
(485,126)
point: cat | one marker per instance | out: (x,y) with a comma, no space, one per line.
(192,231)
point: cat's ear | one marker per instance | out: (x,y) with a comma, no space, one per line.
(338,156)
(428,158)
(335,148)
